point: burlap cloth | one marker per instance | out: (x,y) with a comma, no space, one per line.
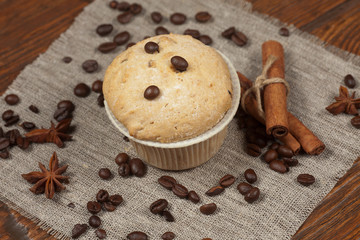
(313,73)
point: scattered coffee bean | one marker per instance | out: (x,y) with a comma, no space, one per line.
(156,17)
(124,170)
(274,146)
(126,139)
(350,81)
(107,47)
(285,151)
(192,32)
(94,221)
(97,86)
(93,207)
(71,205)
(4,143)
(168,216)
(100,233)
(168,236)
(12,135)
(205,39)
(122,38)
(161,30)
(250,175)
(102,196)
(177,18)
(67,59)
(27,126)
(208,209)
(122,158)
(179,190)
(193,196)
(113,4)
(4,154)
(203,17)
(215,191)
(104,29)
(66,104)
(125,17)
(123,6)
(355,121)
(12,99)
(151,47)
(137,167)
(255,138)
(90,66)
(284,32)
(167,182)
(244,188)
(100,100)
(239,38)
(158,206)
(228,32)
(116,199)
(227,180)
(130,45)
(179,63)
(104,173)
(253,195)
(290,161)
(7,115)
(151,92)
(34,109)
(22,142)
(1,132)
(61,114)
(253,150)
(306,179)
(278,166)
(82,90)
(135,8)
(78,230)
(137,236)
(109,206)
(270,155)
(14,119)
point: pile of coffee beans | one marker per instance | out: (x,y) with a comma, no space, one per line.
(160,207)
(129,167)
(179,190)
(251,194)
(10,139)
(239,38)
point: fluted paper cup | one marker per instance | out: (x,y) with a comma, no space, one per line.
(187,153)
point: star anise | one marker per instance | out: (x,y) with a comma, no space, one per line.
(54,134)
(344,103)
(48,181)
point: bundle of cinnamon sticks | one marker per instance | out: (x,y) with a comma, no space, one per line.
(278,121)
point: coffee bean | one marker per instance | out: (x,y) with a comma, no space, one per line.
(192,32)
(202,17)
(278,166)
(135,8)
(104,173)
(78,230)
(123,6)
(350,81)
(355,121)
(122,38)
(4,154)
(168,216)
(100,100)
(93,207)
(270,155)
(71,205)
(22,142)
(151,92)
(255,138)
(253,195)
(161,30)
(4,143)
(14,119)
(101,233)
(122,158)
(61,114)
(82,90)
(137,167)
(208,209)
(151,47)
(156,17)
(7,115)
(104,29)
(94,221)
(179,190)
(12,99)
(27,126)
(124,170)
(116,199)
(109,206)
(158,206)
(1,133)
(102,196)
(107,47)
(205,39)
(97,86)
(179,63)
(290,161)
(306,179)
(34,109)
(90,66)
(168,236)
(250,175)
(125,17)
(12,135)
(284,32)
(167,182)
(227,180)
(253,150)
(228,32)
(126,139)
(285,151)
(193,196)
(66,104)
(274,146)
(177,18)
(137,236)
(239,38)
(215,191)
(244,188)
(113,4)
(67,59)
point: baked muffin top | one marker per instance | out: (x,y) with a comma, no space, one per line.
(188,102)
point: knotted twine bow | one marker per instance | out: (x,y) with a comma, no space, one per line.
(260,82)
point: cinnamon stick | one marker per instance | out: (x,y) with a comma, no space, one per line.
(275,93)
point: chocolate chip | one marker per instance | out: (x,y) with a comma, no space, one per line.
(227,180)
(82,90)
(244,188)
(284,32)
(122,158)
(168,236)
(177,18)
(179,63)
(285,151)
(67,59)
(102,196)
(253,150)
(66,104)
(158,206)
(253,195)
(109,206)
(137,236)
(12,99)
(107,47)
(100,100)
(228,32)
(135,8)
(239,38)
(27,126)
(122,38)
(97,86)
(203,17)
(151,47)
(125,17)
(130,45)
(349,81)
(105,173)
(124,170)
(93,207)
(104,29)
(192,32)
(90,66)
(156,17)
(116,199)
(215,191)
(270,155)
(161,30)
(179,190)
(78,230)
(167,182)
(278,166)
(208,209)
(113,4)
(7,115)
(205,39)
(137,167)
(306,179)
(151,92)
(123,6)
(94,221)
(100,233)
(34,109)
(193,196)
(168,216)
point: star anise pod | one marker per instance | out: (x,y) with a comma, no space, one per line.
(344,103)
(54,134)
(48,181)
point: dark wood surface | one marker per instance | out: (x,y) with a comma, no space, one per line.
(27,27)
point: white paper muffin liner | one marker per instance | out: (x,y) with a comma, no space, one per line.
(188,153)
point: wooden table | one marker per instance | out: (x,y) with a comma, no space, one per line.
(27,27)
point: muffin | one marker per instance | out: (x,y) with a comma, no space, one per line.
(183,103)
